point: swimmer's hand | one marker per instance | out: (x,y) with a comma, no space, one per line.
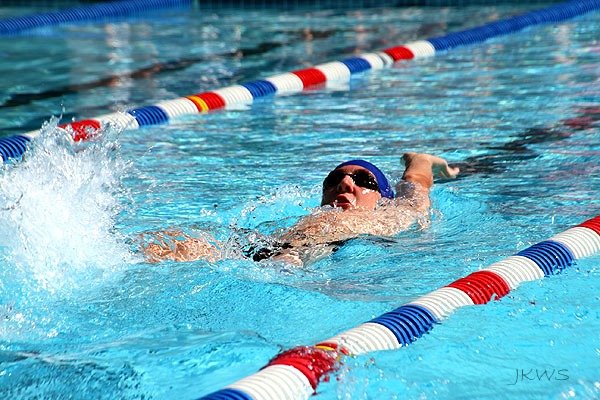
(177,246)
(439,166)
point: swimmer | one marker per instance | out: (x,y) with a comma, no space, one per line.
(357,200)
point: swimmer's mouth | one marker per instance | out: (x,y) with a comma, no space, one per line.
(343,202)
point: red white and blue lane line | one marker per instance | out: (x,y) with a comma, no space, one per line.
(296,373)
(299,80)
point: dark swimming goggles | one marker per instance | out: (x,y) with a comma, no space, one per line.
(360,178)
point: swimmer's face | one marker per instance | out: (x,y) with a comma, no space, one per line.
(342,188)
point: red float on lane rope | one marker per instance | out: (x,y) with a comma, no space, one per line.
(212,100)
(310,76)
(481,286)
(84,129)
(399,53)
(593,224)
(311,361)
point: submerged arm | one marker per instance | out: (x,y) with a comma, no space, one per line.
(178,246)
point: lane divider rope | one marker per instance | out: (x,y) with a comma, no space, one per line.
(114,9)
(296,81)
(296,373)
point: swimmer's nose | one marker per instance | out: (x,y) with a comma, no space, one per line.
(346,184)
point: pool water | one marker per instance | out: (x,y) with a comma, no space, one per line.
(83,316)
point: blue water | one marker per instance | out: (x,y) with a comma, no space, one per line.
(83,316)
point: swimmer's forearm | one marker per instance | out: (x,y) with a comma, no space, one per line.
(420,168)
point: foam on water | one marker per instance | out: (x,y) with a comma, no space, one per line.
(58,208)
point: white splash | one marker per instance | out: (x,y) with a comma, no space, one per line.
(58,208)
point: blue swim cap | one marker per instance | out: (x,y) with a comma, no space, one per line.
(384,186)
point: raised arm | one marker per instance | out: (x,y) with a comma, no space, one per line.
(419,172)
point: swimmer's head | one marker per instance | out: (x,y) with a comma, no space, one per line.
(355,184)
(384,185)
